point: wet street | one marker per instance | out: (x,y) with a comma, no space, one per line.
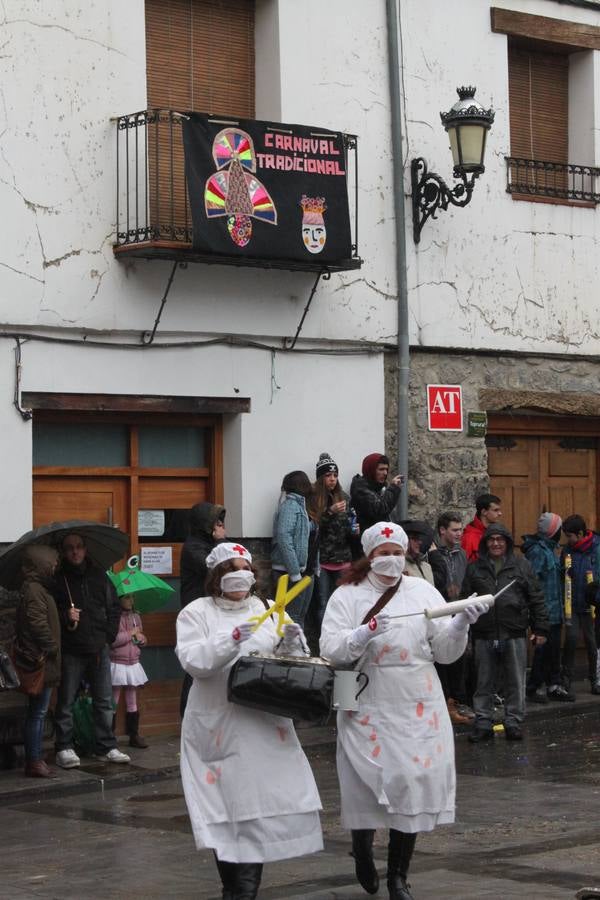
(528,826)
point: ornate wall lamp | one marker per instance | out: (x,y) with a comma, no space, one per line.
(467,125)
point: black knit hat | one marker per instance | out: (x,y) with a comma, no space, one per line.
(326,465)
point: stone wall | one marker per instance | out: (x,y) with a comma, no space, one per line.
(447,470)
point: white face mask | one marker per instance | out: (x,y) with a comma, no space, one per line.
(392,566)
(240,580)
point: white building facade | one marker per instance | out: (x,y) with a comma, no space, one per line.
(117,407)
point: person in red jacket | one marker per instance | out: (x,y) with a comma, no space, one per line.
(487,512)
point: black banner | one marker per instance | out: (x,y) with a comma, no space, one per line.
(264,190)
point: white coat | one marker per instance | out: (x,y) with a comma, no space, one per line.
(249,790)
(396,754)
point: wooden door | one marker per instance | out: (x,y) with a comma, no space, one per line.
(533,474)
(57,498)
(513,465)
(569,478)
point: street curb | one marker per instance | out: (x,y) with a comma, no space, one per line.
(88,785)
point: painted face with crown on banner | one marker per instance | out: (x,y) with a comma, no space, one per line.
(314,233)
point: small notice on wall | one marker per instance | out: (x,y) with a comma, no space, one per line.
(151,522)
(157,560)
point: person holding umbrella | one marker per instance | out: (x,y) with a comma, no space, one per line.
(90,614)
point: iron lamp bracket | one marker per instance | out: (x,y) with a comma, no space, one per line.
(430,193)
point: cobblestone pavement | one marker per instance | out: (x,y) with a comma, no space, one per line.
(527,826)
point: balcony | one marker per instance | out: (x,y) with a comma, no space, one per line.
(558,182)
(154,220)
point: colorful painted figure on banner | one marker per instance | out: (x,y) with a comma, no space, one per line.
(314,233)
(233,191)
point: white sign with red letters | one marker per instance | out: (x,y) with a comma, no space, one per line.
(444,407)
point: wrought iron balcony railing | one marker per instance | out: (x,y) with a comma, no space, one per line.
(153,213)
(550,179)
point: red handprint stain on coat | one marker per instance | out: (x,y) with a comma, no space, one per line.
(403,654)
(376,751)
(385,649)
(420,710)
(282,732)
(365,720)
(212,776)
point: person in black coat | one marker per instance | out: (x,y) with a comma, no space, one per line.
(207,529)
(371,496)
(90,612)
(500,635)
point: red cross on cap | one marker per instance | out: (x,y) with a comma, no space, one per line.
(387,532)
(241,550)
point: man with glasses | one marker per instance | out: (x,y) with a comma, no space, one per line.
(500,635)
(90,611)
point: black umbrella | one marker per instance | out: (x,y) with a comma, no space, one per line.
(105,545)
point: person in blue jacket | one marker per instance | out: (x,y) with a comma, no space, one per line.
(294,545)
(583,546)
(543,553)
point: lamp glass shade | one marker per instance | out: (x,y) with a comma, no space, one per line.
(467,143)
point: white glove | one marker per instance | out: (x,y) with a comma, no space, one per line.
(361,636)
(461,621)
(291,631)
(242,632)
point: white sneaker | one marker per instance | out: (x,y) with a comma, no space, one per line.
(113,756)
(67,759)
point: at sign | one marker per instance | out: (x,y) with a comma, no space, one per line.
(444,407)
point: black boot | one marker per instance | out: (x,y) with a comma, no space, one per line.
(400,851)
(247,881)
(132,723)
(362,851)
(228,874)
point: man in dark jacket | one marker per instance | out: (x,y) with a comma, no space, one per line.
(90,612)
(500,635)
(583,548)
(543,554)
(207,529)
(370,495)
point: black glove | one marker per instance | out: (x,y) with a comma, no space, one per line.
(591,594)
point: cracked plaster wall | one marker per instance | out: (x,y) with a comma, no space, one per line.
(498,274)
(67,67)
(447,470)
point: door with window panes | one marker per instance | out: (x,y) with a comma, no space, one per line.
(141,473)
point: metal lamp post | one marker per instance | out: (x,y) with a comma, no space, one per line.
(467,125)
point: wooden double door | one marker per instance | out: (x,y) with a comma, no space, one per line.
(538,473)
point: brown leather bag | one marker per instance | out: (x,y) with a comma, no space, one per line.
(31,672)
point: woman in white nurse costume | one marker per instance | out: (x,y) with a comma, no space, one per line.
(249,789)
(395,755)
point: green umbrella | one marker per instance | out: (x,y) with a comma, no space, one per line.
(151,593)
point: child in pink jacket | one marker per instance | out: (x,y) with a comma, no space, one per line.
(126,669)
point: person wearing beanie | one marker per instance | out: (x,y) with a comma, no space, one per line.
(371,495)
(500,635)
(329,506)
(543,553)
(395,754)
(249,789)
(583,548)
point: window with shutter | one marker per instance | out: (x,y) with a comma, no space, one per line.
(200,57)
(539,119)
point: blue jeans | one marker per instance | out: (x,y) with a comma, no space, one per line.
(328,580)
(511,662)
(96,670)
(34,724)
(298,608)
